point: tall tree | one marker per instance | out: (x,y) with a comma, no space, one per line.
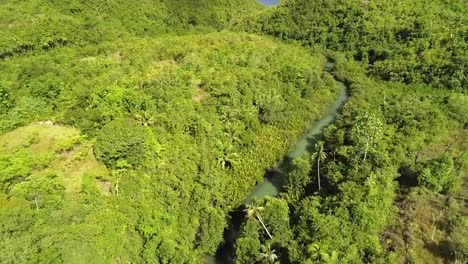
(319,155)
(253,212)
(367,131)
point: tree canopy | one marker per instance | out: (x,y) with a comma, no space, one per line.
(133,132)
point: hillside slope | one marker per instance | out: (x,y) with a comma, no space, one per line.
(42,25)
(411,42)
(185,125)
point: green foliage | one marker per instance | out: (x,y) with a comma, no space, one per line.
(437,175)
(457,104)
(188,124)
(357,203)
(47,87)
(246,250)
(6,102)
(89,190)
(419,41)
(115,102)
(14,169)
(320,255)
(366,133)
(47,25)
(298,179)
(181,121)
(26,109)
(123,140)
(43,191)
(267,255)
(210,230)
(460,237)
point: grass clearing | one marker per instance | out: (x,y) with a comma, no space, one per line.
(54,149)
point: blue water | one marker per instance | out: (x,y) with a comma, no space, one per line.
(269,2)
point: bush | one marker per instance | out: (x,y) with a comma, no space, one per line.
(122,139)
(6,101)
(437,175)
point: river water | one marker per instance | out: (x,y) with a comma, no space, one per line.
(269,2)
(275,179)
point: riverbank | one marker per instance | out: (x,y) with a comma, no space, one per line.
(275,179)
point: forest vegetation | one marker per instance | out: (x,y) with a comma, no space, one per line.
(132,132)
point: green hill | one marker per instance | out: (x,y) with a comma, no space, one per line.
(43,25)
(415,41)
(185,124)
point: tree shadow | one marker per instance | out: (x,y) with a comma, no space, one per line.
(444,249)
(408,177)
(224,254)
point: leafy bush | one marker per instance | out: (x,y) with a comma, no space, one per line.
(6,102)
(437,175)
(27,109)
(122,139)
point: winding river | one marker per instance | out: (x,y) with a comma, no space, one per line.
(275,179)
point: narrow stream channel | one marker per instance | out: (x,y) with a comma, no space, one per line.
(276,178)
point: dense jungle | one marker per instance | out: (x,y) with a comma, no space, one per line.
(234,131)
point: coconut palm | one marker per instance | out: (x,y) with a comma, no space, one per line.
(319,254)
(319,155)
(253,212)
(145,118)
(228,158)
(267,255)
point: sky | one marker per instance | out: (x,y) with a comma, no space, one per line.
(268,2)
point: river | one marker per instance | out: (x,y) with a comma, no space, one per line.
(275,179)
(269,2)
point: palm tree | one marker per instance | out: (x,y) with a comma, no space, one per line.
(319,155)
(319,253)
(254,212)
(228,158)
(267,255)
(145,118)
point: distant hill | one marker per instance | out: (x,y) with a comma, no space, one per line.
(412,41)
(42,25)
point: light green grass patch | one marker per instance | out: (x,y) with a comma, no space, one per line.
(54,149)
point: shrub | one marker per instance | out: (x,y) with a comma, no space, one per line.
(437,175)
(122,139)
